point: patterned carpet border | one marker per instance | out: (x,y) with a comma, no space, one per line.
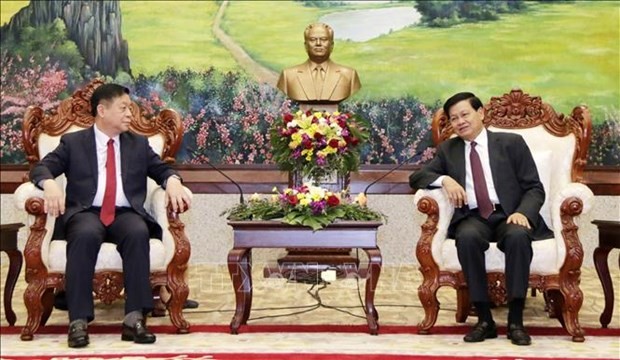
(276,356)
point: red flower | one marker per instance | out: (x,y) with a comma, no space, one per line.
(292,199)
(307,144)
(333,143)
(288,117)
(355,141)
(333,200)
(318,135)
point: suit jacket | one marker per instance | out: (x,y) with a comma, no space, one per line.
(514,174)
(340,83)
(76,157)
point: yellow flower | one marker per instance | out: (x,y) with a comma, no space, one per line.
(255,197)
(361,199)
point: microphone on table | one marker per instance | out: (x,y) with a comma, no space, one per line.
(241,201)
(392,170)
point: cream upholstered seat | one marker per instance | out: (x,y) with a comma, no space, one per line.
(559,146)
(46,259)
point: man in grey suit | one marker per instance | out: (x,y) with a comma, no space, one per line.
(492,181)
(319,79)
(106,168)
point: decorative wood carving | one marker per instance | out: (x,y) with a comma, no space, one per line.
(564,297)
(107,285)
(76,110)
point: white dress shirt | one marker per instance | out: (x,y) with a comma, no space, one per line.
(101,141)
(482,147)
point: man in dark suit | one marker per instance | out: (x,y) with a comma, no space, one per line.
(319,80)
(106,168)
(492,181)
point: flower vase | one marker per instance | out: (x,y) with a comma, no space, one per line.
(333,182)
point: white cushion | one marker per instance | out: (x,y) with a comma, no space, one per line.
(544,262)
(553,157)
(108,259)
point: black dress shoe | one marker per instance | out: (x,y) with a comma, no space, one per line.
(481,331)
(138,333)
(190,304)
(518,335)
(78,334)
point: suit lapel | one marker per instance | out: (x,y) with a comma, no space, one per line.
(494,159)
(332,78)
(459,155)
(304,79)
(125,152)
(90,149)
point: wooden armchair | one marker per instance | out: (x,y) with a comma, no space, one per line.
(46,259)
(559,145)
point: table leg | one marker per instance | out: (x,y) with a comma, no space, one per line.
(239,267)
(372,278)
(602,269)
(15,266)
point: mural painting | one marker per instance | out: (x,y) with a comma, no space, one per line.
(217,63)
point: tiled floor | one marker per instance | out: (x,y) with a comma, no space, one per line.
(275,300)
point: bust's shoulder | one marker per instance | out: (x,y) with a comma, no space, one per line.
(296,68)
(341,68)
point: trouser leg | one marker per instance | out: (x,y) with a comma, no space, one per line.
(472,240)
(84,234)
(131,234)
(516,243)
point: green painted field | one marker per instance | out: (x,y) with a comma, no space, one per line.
(567,53)
(177,34)
(8,8)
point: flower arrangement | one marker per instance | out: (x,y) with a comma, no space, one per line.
(305,205)
(318,144)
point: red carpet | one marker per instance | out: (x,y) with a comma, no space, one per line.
(384,329)
(204,354)
(304,356)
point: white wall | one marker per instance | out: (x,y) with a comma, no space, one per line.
(211,237)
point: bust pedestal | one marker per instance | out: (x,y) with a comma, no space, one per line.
(318,106)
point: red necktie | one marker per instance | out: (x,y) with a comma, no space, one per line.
(108,207)
(485,206)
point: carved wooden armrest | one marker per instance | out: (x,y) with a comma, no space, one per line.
(29,198)
(435,204)
(173,235)
(571,201)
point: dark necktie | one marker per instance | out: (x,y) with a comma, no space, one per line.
(485,207)
(318,75)
(108,207)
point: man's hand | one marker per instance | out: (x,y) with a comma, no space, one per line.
(54,198)
(455,192)
(519,219)
(176,195)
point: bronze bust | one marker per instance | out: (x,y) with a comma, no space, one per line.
(319,80)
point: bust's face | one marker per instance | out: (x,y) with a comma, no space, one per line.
(318,44)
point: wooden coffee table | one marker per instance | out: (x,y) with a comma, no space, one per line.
(608,238)
(8,244)
(248,235)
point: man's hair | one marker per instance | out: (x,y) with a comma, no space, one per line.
(106,92)
(330,31)
(457,98)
